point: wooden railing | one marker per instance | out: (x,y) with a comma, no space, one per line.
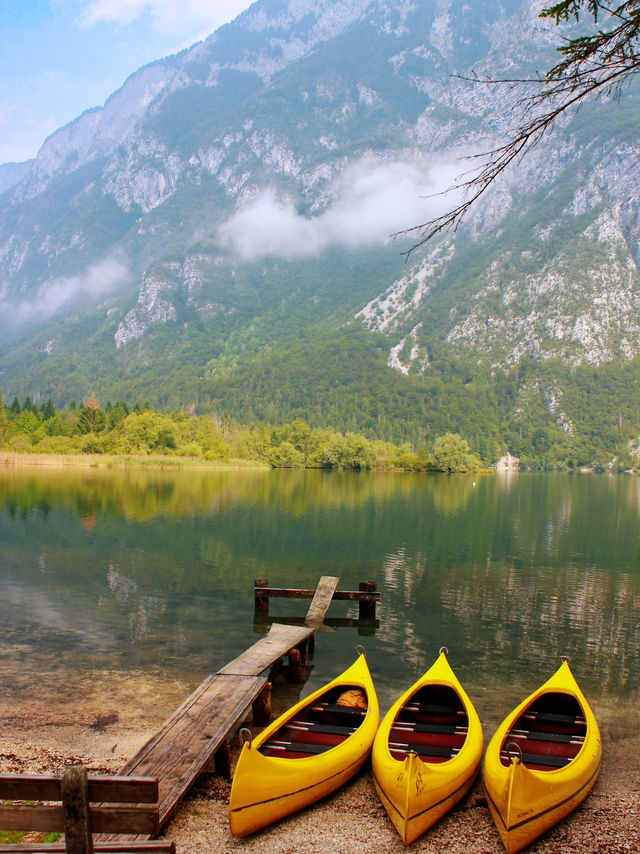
(79,806)
(366,596)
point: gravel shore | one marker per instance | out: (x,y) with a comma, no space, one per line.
(40,734)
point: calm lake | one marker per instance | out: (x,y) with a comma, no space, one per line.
(146,569)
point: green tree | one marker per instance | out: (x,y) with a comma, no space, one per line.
(47,410)
(26,423)
(92,419)
(451,453)
(285,456)
(4,421)
(116,414)
(142,432)
(15,408)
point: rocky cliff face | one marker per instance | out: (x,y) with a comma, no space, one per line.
(294,98)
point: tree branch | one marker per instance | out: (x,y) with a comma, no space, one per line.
(600,62)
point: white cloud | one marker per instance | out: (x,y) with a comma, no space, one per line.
(372,201)
(198,18)
(98,280)
(22,128)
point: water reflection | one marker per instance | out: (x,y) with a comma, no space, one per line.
(155,569)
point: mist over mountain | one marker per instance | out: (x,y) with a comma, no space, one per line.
(220,233)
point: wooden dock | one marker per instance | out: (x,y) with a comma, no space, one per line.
(198,731)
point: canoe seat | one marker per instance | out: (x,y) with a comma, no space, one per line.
(552,717)
(559,737)
(425,749)
(448,729)
(434,709)
(540,759)
(356,711)
(332,729)
(295,747)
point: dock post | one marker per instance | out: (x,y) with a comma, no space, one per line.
(295,666)
(262,707)
(366,610)
(75,808)
(304,652)
(222,761)
(261,603)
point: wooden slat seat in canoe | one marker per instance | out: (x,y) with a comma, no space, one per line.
(444,729)
(311,726)
(291,748)
(539,759)
(551,717)
(336,708)
(434,709)
(434,751)
(539,735)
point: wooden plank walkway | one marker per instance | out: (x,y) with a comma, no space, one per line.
(197,730)
(278,641)
(178,752)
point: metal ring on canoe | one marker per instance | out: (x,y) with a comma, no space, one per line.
(513,750)
(565,658)
(360,649)
(245,736)
(443,649)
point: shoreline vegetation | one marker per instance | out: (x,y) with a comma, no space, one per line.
(117,437)
(123,461)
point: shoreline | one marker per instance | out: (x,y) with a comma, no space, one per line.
(14,459)
(39,736)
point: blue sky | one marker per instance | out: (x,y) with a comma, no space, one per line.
(60,57)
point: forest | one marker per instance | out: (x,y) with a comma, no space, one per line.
(117,430)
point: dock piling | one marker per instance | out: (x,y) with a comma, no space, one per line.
(222,761)
(198,731)
(261,601)
(262,707)
(367,607)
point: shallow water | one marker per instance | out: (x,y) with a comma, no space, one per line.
(149,570)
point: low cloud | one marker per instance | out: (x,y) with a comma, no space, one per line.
(196,18)
(98,280)
(372,200)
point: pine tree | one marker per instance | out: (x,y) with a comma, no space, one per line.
(92,419)
(48,410)
(4,421)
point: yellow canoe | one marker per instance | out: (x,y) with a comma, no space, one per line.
(427,751)
(306,753)
(542,761)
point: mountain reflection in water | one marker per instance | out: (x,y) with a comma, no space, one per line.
(155,569)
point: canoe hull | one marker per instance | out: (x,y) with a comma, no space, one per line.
(525,802)
(268,788)
(414,792)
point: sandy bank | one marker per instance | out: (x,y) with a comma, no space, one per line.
(116,716)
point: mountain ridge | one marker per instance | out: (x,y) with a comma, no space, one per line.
(238,197)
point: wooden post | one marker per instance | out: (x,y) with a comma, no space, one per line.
(222,761)
(295,666)
(366,609)
(262,707)
(303,649)
(75,806)
(261,603)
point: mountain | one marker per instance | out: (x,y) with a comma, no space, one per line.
(218,235)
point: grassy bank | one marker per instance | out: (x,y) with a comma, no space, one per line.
(123,461)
